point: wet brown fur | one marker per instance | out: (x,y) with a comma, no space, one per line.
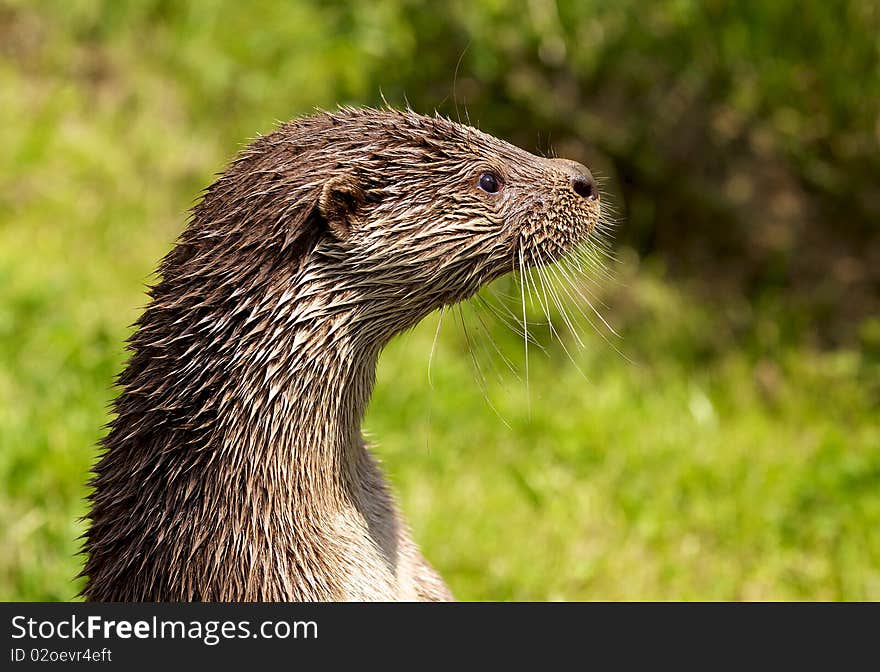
(235,468)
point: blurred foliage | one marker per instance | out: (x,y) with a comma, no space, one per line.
(734,457)
(730,133)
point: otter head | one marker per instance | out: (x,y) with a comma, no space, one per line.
(394,214)
(423,211)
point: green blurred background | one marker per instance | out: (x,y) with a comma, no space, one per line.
(730,450)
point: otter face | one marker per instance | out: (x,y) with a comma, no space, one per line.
(430,210)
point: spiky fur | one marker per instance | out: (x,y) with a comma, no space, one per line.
(234,468)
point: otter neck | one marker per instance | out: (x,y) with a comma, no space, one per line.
(304,378)
(301,429)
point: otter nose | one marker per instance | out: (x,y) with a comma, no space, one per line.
(580,178)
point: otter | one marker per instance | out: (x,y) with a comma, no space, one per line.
(234,468)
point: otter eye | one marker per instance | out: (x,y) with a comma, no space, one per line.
(490,183)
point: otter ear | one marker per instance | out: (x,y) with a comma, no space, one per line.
(340,202)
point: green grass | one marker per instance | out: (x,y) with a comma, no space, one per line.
(725,459)
(677,476)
